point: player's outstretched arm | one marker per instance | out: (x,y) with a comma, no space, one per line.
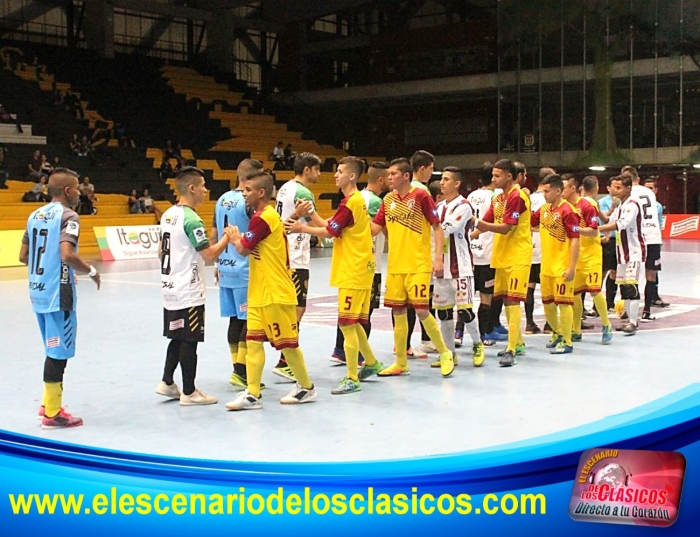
(212,252)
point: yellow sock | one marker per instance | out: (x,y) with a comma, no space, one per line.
(566,313)
(53,396)
(295,360)
(242,353)
(233,349)
(352,348)
(514,316)
(578,313)
(433,331)
(601,307)
(365,349)
(550,313)
(400,336)
(254,365)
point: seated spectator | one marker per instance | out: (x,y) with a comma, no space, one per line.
(71,103)
(278,156)
(147,202)
(34,166)
(74,145)
(135,204)
(85,147)
(289,156)
(46,167)
(87,197)
(40,192)
(166,169)
(6,117)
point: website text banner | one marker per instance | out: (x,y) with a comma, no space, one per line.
(524,488)
(10,244)
(128,242)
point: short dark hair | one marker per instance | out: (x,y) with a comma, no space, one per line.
(506,165)
(650,180)
(569,178)
(486,173)
(589,183)
(356,165)
(421,158)
(403,164)
(457,172)
(624,178)
(186,176)
(519,167)
(379,165)
(305,160)
(554,180)
(544,172)
(263,180)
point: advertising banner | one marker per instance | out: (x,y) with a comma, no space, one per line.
(680,226)
(128,242)
(10,243)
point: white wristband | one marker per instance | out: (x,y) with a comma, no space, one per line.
(93,271)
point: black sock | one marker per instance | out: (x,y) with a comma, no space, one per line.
(188,365)
(339,338)
(583,304)
(484,316)
(240,370)
(172,358)
(424,337)
(610,292)
(411,325)
(650,290)
(530,305)
(496,309)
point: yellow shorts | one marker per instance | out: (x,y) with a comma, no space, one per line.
(555,289)
(276,324)
(588,280)
(353,306)
(404,290)
(511,283)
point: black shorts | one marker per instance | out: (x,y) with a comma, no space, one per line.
(300,277)
(484,278)
(653,261)
(609,256)
(376,292)
(535,272)
(184,325)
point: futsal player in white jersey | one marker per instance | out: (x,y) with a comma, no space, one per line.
(481,245)
(651,228)
(650,183)
(184,247)
(456,287)
(307,169)
(627,220)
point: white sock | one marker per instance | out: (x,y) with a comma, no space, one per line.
(447,329)
(633,311)
(473,329)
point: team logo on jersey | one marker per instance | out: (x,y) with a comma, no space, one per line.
(334,225)
(73,228)
(515,215)
(171,220)
(200,234)
(575,229)
(410,204)
(248,235)
(393,205)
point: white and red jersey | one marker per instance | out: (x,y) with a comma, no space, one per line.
(536,202)
(482,246)
(629,240)
(456,221)
(651,227)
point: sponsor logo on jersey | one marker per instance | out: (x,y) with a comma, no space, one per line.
(73,228)
(515,215)
(53,342)
(176,325)
(334,225)
(248,235)
(200,234)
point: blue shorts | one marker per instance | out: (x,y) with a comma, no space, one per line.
(234,302)
(59,330)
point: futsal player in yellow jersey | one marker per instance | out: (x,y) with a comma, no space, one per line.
(589,269)
(271,297)
(559,225)
(408,213)
(509,219)
(352,270)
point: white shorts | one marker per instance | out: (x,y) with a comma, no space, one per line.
(453,292)
(628,273)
